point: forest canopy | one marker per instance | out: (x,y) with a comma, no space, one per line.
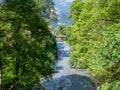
(27,47)
(95,40)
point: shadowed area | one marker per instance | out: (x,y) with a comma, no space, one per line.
(70,82)
(82,83)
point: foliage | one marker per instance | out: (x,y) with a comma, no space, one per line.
(27,46)
(64,30)
(95,40)
(48,10)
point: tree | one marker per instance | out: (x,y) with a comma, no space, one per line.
(27,46)
(95,40)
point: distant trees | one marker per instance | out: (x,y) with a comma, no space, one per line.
(49,11)
(95,40)
(27,46)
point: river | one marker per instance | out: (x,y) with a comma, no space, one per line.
(65,77)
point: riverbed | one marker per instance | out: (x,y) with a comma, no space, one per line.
(65,77)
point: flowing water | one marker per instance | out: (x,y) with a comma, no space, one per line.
(65,77)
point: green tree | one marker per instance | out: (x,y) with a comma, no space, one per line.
(27,46)
(95,40)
